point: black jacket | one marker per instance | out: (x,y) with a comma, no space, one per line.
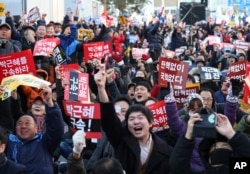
(127,149)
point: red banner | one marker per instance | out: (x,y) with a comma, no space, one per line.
(84,116)
(237,70)
(93,51)
(173,71)
(17,63)
(107,48)
(78,88)
(181,95)
(246,97)
(45,47)
(160,116)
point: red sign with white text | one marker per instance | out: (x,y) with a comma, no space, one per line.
(174,71)
(45,47)
(17,63)
(93,51)
(181,95)
(84,117)
(237,70)
(160,116)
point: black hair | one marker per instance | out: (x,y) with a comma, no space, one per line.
(107,166)
(123,98)
(139,108)
(190,77)
(212,93)
(3,136)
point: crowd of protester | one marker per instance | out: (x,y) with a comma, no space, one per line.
(35,131)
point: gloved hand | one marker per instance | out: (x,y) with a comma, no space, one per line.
(118,59)
(237,86)
(79,141)
(169,98)
(146,58)
(234,90)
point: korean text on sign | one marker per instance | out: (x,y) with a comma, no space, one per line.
(181,95)
(237,70)
(173,71)
(209,73)
(78,88)
(160,116)
(93,51)
(45,47)
(84,117)
(17,63)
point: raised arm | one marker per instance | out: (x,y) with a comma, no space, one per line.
(110,122)
(54,122)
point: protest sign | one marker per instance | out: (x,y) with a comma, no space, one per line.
(122,20)
(107,48)
(12,82)
(168,53)
(1,9)
(174,71)
(246,97)
(34,14)
(59,55)
(45,47)
(78,88)
(213,40)
(138,52)
(81,32)
(93,51)
(17,63)
(237,70)
(241,45)
(160,116)
(181,95)
(84,117)
(209,73)
(228,47)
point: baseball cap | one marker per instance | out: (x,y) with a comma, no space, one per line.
(5,25)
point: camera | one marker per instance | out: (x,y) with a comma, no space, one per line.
(206,127)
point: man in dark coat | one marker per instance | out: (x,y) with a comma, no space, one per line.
(136,147)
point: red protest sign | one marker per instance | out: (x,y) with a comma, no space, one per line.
(107,48)
(174,71)
(138,52)
(168,53)
(45,47)
(93,51)
(84,116)
(241,45)
(17,63)
(181,95)
(160,116)
(78,88)
(246,97)
(237,70)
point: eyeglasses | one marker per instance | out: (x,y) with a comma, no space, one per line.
(207,99)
